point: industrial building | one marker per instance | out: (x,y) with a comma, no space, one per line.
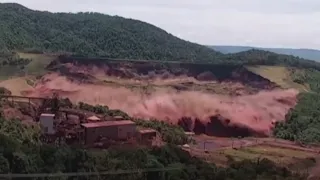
(116,130)
(145,136)
(75,126)
(47,123)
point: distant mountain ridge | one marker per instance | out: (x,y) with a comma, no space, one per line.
(311,54)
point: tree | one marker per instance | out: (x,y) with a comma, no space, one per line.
(4,165)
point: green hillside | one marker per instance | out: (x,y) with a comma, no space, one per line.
(92,34)
(311,54)
(261,57)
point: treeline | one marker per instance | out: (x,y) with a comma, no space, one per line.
(260,57)
(103,110)
(248,58)
(12,59)
(20,156)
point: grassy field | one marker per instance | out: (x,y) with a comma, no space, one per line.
(36,67)
(38,63)
(7,72)
(294,159)
(279,75)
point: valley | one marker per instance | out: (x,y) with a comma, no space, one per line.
(107,97)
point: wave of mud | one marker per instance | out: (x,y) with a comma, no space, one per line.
(197,111)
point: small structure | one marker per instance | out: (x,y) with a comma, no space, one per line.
(186,146)
(190,134)
(93,119)
(46,123)
(115,130)
(146,135)
(118,118)
(80,113)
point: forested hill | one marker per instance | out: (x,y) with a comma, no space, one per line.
(261,57)
(95,34)
(311,54)
(92,34)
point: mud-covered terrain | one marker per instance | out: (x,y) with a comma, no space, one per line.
(219,100)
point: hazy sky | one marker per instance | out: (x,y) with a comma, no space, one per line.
(267,23)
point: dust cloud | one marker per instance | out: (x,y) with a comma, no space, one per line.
(257,112)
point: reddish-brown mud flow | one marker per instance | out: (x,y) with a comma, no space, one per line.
(246,114)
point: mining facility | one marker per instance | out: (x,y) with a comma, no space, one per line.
(73,126)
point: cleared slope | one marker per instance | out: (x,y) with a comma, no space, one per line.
(279,75)
(93,34)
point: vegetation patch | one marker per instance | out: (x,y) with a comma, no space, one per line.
(294,159)
(302,123)
(19,132)
(30,82)
(38,63)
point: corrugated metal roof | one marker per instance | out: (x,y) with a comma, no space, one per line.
(189,133)
(146,131)
(93,118)
(118,117)
(48,115)
(107,123)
